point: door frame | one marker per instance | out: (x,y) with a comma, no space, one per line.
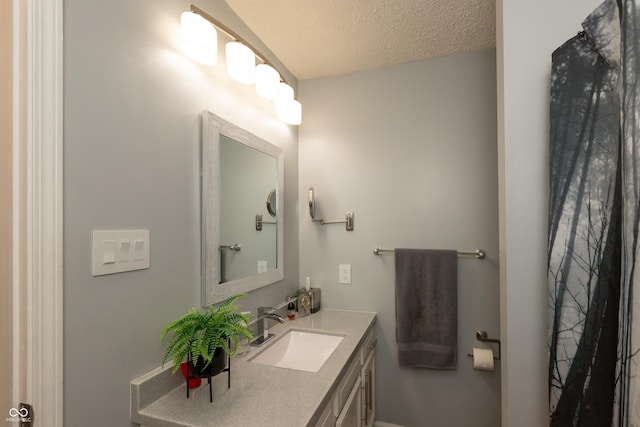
(37,207)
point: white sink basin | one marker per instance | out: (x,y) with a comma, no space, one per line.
(301,350)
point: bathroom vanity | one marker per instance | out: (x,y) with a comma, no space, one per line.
(341,393)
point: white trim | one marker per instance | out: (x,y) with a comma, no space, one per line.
(43,282)
(17,21)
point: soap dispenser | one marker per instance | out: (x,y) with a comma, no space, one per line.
(304,299)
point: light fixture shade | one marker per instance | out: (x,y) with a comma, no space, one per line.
(241,63)
(289,111)
(267,81)
(199,38)
(285,93)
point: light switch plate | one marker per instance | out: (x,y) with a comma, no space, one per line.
(115,251)
(344,275)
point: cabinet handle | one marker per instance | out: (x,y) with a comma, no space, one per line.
(367,380)
(372,344)
(366,416)
(367,398)
(369,391)
(366,412)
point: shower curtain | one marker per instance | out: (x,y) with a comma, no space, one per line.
(594,219)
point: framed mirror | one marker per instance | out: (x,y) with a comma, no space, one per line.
(237,170)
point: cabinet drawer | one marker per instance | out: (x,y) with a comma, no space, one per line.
(346,384)
(351,415)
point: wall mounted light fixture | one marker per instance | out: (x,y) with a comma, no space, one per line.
(199,42)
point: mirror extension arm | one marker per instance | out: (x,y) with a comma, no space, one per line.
(312,212)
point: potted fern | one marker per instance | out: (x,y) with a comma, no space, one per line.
(206,336)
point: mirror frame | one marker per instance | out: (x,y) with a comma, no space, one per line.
(213,291)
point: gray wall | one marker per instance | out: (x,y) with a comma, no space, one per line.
(410,149)
(528,32)
(131,144)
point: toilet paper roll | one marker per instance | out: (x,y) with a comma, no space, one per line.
(483,359)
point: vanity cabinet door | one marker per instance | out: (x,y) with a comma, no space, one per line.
(326,419)
(369,390)
(346,385)
(351,414)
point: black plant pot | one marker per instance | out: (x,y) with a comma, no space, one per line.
(217,365)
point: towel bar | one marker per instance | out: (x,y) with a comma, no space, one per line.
(478,253)
(235,247)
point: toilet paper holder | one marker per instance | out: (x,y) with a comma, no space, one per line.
(482,336)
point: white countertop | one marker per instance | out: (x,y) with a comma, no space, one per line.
(259,395)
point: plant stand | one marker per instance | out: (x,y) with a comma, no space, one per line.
(189,376)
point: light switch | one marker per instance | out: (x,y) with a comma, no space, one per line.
(108,252)
(344,274)
(138,250)
(115,251)
(124,253)
(262,266)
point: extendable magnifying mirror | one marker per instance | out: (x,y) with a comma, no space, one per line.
(272,203)
(312,207)
(312,211)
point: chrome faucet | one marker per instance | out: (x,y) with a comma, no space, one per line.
(264,314)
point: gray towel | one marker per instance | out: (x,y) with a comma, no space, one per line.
(426,308)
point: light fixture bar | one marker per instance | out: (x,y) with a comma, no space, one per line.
(236,37)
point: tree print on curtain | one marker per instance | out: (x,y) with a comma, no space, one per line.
(594,202)
(628,373)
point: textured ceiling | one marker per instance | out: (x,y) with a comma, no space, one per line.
(316,38)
